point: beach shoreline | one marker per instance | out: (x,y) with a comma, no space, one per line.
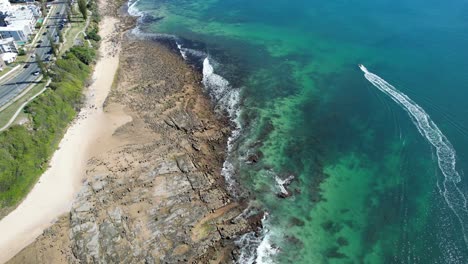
(53,194)
(161,161)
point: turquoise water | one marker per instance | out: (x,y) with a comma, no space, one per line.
(372,183)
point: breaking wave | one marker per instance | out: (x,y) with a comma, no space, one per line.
(133,10)
(254,247)
(226,99)
(138,33)
(446,156)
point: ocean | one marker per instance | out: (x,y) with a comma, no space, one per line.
(353,164)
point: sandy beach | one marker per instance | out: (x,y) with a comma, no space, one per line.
(90,134)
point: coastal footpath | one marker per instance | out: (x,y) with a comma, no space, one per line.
(148,175)
(53,194)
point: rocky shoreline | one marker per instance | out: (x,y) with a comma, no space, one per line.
(158,196)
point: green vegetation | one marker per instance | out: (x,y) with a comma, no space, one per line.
(60,34)
(7,113)
(85,55)
(70,34)
(21,52)
(82,6)
(7,69)
(54,47)
(43,8)
(42,66)
(25,150)
(69,16)
(92,32)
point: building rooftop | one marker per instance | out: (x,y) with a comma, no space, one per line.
(8,56)
(5,6)
(16,25)
(6,41)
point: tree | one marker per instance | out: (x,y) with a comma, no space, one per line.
(83,9)
(60,34)
(41,65)
(21,52)
(43,8)
(92,33)
(85,55)
(69,15)
(53,46)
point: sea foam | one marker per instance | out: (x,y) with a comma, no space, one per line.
(227,100)
(257,247)
(446,156)
(133,10)
(254,248)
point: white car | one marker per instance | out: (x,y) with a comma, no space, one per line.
(36,73)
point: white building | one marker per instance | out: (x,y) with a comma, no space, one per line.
(36,10)
(16,21)
(5,6)
(8,45)
(19,31)
(8,57)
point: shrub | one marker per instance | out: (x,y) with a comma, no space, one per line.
(24,153)
(85,55)
(93,35)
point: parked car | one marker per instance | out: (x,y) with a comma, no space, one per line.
(26,66)
(38,46)
(36,73)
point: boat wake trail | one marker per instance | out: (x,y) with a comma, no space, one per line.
(446,157)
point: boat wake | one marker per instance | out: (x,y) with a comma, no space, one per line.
(446,157)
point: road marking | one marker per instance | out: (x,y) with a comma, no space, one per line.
(8,73)
(12,119)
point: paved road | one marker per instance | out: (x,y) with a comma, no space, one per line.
(25,77)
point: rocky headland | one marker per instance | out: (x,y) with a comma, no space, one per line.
(154,192)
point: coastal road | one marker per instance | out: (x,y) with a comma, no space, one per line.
(12,87)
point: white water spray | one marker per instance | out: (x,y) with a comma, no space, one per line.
(226,98)
(446,157)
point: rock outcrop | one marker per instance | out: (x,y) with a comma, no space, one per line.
(158,197)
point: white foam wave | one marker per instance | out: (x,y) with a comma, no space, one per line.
(183,52)
(133,10)
(282,183)
(257,248)
(187,51)
(446,156)
(226,99)
(220,90)
(138,33)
